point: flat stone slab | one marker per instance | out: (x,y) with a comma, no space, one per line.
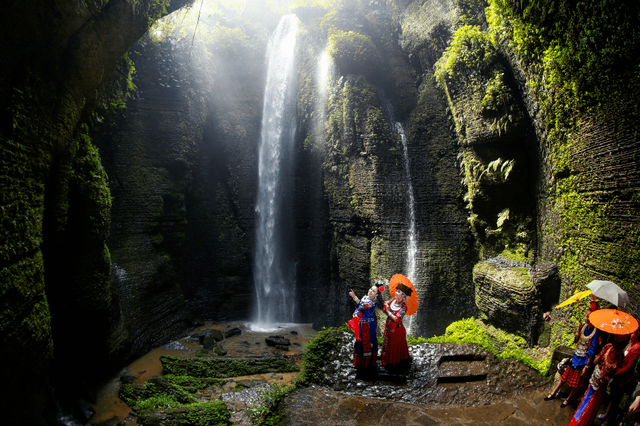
(319,406)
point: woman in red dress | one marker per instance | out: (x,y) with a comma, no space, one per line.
(395,351)
(607,363)
(623,379)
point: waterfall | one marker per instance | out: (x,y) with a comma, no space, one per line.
(412,244)
(274,271)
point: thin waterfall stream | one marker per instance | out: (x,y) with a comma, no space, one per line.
(412,244)
(274,270)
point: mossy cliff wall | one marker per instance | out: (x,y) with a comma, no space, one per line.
(350,200)
(554,84)
(54,284)
(536,103)
(587,192)
(351,125)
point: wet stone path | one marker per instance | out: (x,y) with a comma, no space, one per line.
(439,374)
(446,384)
(319,406)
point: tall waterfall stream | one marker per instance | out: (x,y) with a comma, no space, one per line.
(412,244)
(274,273)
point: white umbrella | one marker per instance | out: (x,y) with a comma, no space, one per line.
(609,291)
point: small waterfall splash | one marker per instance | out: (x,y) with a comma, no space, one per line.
(274,271)
(412,244)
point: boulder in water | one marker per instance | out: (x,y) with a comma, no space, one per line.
(235,331)
(278,341)
(216,334)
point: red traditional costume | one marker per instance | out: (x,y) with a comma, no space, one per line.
(394,346)
(607,363)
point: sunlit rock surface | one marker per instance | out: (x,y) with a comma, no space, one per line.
(439,374)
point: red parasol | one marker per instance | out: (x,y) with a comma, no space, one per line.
(412,301)
(613,321)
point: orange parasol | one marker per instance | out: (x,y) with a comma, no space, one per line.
(613,321)
(412,301)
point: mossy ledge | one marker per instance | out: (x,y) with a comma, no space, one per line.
(225,367)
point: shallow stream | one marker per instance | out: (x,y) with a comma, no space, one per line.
(250,343)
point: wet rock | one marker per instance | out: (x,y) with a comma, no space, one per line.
(233,332)
(129,421)
(506,294)
(217,335)
(127,378)
(86,410)
(546,277)
(438,374)
(219,350)
(177,346)
(210,342)
(277,341)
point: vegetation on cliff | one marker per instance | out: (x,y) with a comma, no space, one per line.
(502,344)
(579,68)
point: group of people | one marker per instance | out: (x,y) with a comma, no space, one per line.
(600,361)
(395,351)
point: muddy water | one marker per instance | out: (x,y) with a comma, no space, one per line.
(248,344)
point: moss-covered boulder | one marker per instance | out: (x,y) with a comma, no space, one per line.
(506,295)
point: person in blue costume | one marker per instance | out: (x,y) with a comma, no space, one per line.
(365,351)
(606,365)
(575,374)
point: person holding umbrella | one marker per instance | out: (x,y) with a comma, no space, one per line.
(395,351)
(607,363)
(622,381)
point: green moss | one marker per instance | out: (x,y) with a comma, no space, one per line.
(196,383)
(164,411)
(501,344)
(471,12)
(471,52)
(518,254)
(157,388)
(221,368)
(352,52)
(270,411)
(212,413)
(318,354)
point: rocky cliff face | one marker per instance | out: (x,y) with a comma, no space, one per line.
(522,138)
(350,201)
(55,283)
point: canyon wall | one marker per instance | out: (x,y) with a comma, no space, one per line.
(128,198)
